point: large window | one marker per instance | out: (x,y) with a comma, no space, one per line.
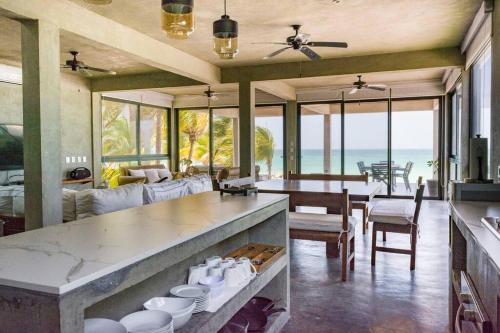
(194,137)
(320,138)
(133,133)
(481,96)
(225,137)
(415,145)
(269,139)
(366,140)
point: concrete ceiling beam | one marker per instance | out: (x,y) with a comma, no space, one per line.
(141,81)
(388,62)
(278,89)
(83,22)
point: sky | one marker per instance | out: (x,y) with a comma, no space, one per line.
(410,130)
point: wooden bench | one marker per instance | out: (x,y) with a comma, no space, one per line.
(361,205)
(334,229)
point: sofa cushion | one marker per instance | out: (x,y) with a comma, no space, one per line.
(137,173)
(152,175)
(165,173)
(69,204)
(97,202)
(319,222)
(199,183)
(167,190)
(394,211)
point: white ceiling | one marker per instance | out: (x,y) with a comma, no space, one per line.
(368,26)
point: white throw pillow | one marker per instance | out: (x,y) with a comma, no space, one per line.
(152,175)
(69,204)
(164,173)
(97,202)
(137,173)
(166,190)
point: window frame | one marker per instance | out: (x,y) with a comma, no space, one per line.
(138,157)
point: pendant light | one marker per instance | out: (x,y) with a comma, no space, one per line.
(178,18)
(99,2)
(226,36)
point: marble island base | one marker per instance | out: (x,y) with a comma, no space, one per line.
(222,226)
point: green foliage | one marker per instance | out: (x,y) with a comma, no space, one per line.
(434,164)
(264,147)
(110,173)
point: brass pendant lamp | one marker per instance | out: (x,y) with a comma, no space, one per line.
(178,18)
(226,36)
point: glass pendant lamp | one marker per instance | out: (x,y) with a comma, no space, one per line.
(178,18)
(99,2)
(226,36)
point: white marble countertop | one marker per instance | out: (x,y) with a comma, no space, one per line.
(470,213)
(60,258)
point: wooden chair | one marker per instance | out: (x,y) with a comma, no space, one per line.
(334,229)
(361,205)
(398,221)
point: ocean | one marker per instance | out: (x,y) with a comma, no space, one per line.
(312,161)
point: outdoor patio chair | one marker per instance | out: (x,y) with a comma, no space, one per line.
(380,173)
(405,174)
(363,169)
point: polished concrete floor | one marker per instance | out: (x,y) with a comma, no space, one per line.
(387,298)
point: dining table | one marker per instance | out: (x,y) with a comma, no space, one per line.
(320,193)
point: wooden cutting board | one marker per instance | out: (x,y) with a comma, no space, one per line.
(261,255)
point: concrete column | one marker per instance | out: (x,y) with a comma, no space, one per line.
(291,136)
(236,140)
(495,93)
(247,128)
(96,137)
(42,122)
(327,144)
(172,136)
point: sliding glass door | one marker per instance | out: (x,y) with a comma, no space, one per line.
(394,141)
(366,140)
(320,138)
(269,141)
(415,145)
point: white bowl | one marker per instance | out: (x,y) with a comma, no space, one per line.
(147,321)
(181,309)
(101,325)
(172,305)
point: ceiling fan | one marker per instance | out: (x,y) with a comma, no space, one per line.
(210,94)
(78,66)
(300,42)
(360,84)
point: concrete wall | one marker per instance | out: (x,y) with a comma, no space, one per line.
(75,119)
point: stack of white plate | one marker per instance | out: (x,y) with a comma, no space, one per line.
(148,321)
(201,295)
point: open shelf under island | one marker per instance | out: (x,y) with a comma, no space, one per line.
(108,266)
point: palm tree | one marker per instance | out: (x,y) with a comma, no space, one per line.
(223,141)
(192,125)
(264,147)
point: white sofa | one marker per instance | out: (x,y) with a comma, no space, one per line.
(82,204)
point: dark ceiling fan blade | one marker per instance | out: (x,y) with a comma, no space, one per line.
(84,71)
(275,53)
(353,91)
(328,44)
(310,53)
(100,70)
(269,43)
(375,87)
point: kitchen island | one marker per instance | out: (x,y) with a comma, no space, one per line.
(475,268)
(107,266)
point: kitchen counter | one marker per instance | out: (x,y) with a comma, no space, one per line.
(128,256)
(467,215)
(474,267)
